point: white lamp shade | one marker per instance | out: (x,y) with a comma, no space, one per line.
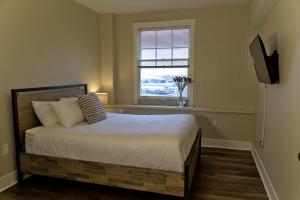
(103,97)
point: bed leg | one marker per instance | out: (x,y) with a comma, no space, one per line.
(20,177)
(187,191)
(187,196)
(191,166)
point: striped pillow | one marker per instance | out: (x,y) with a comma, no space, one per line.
(91,107)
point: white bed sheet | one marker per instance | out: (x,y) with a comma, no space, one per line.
(150,141)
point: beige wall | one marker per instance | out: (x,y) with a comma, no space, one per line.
(223,77)
(107,56)
(43,43)
(281,30)
(260,10)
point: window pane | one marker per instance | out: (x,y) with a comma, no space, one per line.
(147,63)
(164,53)
(164,39)
(180,62)
(148,39)
(164,63)
(181,53)
(181,38)
(148,54)
(158,82)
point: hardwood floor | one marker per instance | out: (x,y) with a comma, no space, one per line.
(223,175)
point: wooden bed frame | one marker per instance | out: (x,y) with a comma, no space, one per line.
(143,179)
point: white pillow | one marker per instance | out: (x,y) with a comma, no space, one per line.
(68,112)
(44,112)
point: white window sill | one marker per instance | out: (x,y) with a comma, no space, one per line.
(187,109)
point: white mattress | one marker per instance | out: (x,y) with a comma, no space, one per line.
(150,141)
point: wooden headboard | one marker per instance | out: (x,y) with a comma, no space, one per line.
(24,117)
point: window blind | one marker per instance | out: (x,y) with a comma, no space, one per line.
(163,48)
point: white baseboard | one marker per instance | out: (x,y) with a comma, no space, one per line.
(226,144)
(8,180)
(264,175)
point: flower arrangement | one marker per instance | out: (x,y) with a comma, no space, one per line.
(181,83)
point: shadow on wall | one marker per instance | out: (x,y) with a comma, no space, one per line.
(271,43)
(208,126)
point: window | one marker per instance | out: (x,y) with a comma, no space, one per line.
(162,52)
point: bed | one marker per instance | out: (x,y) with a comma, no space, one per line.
(142,152)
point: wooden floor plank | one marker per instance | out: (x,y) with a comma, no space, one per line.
(222,174)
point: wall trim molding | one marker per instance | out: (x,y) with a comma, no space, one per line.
(246,111)
(8,180)
(271,192)
(227,144)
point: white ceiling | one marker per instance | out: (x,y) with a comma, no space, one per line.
(134,6)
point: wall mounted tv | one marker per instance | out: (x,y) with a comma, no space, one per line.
(266,67)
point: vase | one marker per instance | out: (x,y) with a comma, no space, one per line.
(180,99)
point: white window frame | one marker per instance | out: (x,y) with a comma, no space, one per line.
(190,23)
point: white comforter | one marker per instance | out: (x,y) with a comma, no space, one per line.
(149,141)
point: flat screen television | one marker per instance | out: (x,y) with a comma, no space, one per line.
(266,67)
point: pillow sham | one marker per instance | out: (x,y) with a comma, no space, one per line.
(91,107)
(68,112)
(44,112)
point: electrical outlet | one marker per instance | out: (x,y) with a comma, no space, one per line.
(5,149)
